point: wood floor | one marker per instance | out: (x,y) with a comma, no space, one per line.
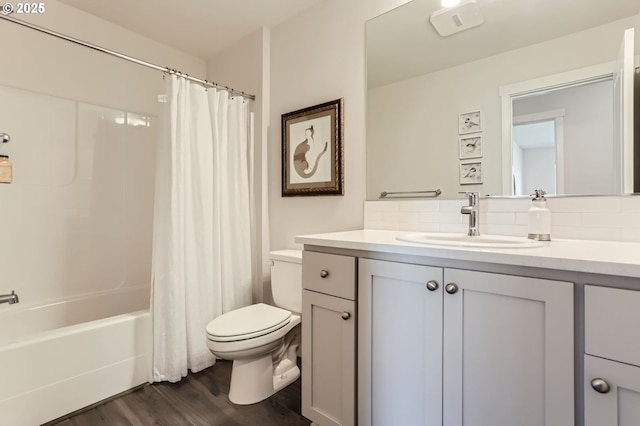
(199,399)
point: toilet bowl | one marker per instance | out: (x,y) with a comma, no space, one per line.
(263,340)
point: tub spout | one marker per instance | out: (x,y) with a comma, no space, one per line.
(9,298)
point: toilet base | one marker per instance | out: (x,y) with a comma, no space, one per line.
(286,373)
(254,380)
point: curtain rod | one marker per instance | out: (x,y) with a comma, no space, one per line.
(127,58)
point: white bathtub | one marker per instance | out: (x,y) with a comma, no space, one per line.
(63,356)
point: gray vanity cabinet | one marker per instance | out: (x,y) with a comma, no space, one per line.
(441,346)
(612,358)
(329,339)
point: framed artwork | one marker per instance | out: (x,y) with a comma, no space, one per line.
(312,150)
(470,146)
(469,122)
(471,173)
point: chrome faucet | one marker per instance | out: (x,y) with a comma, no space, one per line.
(9,298)
(473,212)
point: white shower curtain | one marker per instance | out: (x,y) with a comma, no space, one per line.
(202,243)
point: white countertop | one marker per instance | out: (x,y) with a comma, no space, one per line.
(598,257)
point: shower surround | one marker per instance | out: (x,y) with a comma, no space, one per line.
(76,228)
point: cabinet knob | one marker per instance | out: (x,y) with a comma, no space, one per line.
(451,288)
(432,285)
(600,385)
(324,273)
(345,315)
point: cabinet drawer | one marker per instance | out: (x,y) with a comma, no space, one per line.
(330,274)
(612,321)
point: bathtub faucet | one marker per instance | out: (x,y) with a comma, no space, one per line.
(9,298)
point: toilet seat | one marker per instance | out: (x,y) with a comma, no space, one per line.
(247,323)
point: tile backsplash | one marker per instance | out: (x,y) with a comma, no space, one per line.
(612,218)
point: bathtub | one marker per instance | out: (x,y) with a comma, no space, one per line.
(63,356)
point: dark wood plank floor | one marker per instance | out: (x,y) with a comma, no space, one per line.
(197,400)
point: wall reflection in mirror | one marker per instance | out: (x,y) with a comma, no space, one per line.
(544,79)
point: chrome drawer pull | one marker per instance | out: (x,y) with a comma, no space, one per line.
(451,288)
(345,315)
(432,285)
(324,273)
(600,385)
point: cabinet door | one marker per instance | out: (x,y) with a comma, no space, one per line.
(620,404)
(328,359)
(399,344)
(508,351)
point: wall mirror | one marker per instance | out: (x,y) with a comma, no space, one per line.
(422,86)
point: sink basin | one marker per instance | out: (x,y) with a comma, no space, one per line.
(460,240)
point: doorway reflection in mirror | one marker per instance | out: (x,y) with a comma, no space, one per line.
(563,140)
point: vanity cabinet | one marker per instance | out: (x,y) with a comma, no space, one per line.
(442,346)
(329,339)
(612,356)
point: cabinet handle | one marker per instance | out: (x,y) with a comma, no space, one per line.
(451,288)
(345,315)
(432,285)
(324,273)
(600,385)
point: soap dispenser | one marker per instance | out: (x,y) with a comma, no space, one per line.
(6,174)
(539,218)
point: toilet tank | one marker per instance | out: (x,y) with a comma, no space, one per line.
(286,279)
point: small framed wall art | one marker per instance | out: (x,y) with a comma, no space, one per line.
(469,122)
(312,161)
(471,173)
(470,146)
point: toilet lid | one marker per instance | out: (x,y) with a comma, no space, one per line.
(248,322)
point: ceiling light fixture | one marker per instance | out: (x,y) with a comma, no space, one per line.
(455,19)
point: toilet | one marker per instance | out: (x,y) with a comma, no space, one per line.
(263,340)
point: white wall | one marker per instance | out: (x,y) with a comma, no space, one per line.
(423,111)
(77,218)
(318,56)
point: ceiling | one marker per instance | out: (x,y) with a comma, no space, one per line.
(202,28)
(402,43)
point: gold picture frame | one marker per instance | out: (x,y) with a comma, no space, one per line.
(312,161)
